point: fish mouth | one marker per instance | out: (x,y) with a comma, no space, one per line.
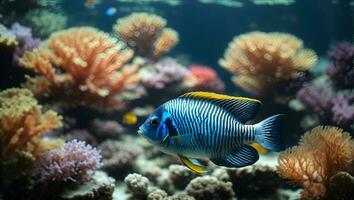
(141,132)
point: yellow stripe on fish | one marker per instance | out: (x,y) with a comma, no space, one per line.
(215,96)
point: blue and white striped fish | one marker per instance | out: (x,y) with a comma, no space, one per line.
(202,125)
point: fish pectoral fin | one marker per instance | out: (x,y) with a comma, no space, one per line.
(259,148)
(182,139)
(241,157)
(242,108)
(195,165)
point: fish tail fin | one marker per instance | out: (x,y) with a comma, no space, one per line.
(268,133)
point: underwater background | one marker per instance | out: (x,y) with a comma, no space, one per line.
(78,78)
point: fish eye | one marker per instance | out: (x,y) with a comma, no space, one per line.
(154,121)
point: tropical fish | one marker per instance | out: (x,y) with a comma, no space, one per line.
(201,125)
(130,118)
(111,11)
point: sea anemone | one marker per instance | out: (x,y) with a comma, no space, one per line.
(82,66)
(322,153)
(146,34)
(259,60)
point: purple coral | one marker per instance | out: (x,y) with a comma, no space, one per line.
(330,107)
(25,40)
(167,72)
(75,162)
(342,69)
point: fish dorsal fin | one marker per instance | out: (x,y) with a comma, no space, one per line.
(195,165)
(242,108)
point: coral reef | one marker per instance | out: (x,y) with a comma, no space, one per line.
(146,34)
(209,188)
(256,179)
(180,176)
(7,39)
(164,73)
(206,79)
(80,134)
(118,157)
(341,71)
(137,184)
(106,128)
(341,186)
(22,122)
(92,66)
(259,60)
(328,106)
(322,153)
(25,40)
(45,22)
(76,163)
(100,187)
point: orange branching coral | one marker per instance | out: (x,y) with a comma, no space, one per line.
(82,66)
(22,122)
(322,152)
(146,34)
(258,60)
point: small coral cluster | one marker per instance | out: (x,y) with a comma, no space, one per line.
(22,122)
(146,34)
(206,79)
(322,153)
(341,71)
(328,106)
(260,60)
(75,162)
(82,65)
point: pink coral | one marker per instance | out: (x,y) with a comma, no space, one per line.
(206,78)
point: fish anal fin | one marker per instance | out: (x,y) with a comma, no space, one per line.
(242,108)
(259,148)
(241,157)
(195,165)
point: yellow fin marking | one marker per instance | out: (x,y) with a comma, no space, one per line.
(192,166)
(215,96)
(259,148)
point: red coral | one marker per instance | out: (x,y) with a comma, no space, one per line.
(206,78)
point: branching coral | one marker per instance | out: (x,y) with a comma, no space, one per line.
(146,34)
(322,153)
(328,106)
(342,69)
(22,122)
(82,66)
(165,73)
(44,22)
(75,162)
(259,60)
(25,40)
